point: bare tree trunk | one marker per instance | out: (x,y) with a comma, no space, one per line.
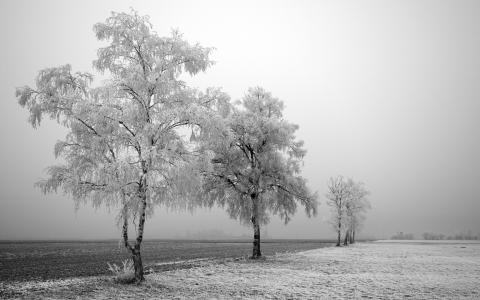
(345,240)
(339,233)
(135,251)
(256,239)
(352,237)
(256,229)
(137,258)
(125,225)
(137,264)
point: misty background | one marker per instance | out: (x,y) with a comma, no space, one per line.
(386,92)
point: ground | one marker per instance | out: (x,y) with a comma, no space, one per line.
(50,260)
(365,270)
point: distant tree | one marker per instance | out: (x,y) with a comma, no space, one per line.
(403,236)
(256,165)
(348,203)
(124,145)
(337,196)
(355,209)
(433,236)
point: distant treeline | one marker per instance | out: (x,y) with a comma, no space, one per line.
(468,235)
(403,236)
(459,236)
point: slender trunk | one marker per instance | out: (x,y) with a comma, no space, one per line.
(352,237)
(135,250)
(137,264)
(137,259)
(256,229)
(256,240)
(125,223)
(339,233)
(345,242)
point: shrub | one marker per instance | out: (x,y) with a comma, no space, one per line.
(123,274)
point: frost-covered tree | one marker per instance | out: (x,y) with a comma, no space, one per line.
(348,203)
(125,145)
(256,165)
(356,207)
(337,197)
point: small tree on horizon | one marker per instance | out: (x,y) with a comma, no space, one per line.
(256,165)
(337,196)
(348,203)
(355,209)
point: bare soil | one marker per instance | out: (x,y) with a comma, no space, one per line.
(27,261)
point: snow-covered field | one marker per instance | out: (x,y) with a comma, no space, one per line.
(366,270)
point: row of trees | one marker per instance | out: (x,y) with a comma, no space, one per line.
(403,236)
(468,235)
(465,235)
(144,138)
(348,203)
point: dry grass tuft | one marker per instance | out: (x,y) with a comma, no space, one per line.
(124,274)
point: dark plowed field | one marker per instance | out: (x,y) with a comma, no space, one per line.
(22,261)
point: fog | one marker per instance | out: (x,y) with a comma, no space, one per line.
(385,92)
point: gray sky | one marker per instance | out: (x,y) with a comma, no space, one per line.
(386,92)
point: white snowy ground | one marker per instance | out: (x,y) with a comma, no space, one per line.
(365,270)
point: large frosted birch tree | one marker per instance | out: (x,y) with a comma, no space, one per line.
(256,166)
(125,147)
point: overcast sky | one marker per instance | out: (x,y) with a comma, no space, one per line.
(386,92)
